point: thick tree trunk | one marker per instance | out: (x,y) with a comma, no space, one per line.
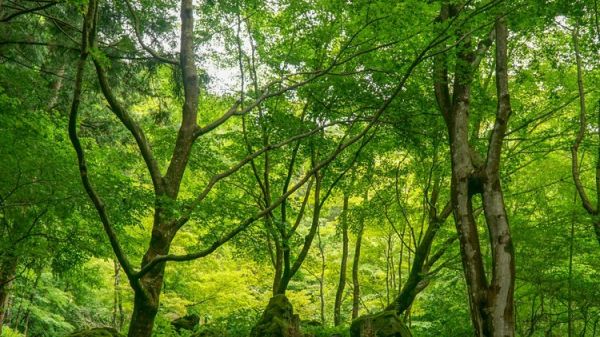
(491,303)
(8,268)
(337,317)
(142,319)
(147,294)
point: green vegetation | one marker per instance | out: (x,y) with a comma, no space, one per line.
(293,168)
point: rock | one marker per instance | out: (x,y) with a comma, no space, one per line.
(383,324)
(278,320)
(188,322)
(97,332)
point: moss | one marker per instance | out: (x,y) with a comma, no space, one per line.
(97,332)
(278,320)
(188,322)
(383,324)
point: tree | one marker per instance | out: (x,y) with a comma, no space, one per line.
(169,217)
(491,302)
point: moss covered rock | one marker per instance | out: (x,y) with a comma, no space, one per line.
(97,332)
(383,324)
(278,320)
(188,322)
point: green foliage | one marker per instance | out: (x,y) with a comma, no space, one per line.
(8,332)
(64,274)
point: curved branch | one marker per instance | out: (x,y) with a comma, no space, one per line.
(140,38)
(27,10)
(87,40)
(372,124)
(132,126)
(580,133)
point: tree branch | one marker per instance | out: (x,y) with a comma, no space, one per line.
(87,42)
(133,127)
(140,38)
(504,110)
(581,132)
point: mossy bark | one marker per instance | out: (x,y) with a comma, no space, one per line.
(278,320)
(383,324)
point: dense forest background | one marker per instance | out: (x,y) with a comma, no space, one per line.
(431,166)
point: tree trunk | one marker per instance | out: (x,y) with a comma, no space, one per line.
(117,317)
(321,277)
(420,266)
(337,318)
(146,296)
(8,268)
(291,269)
(491,304)
(355,266)
(592,210)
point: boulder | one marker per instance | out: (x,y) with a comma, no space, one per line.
(383,324)
(278,320)
(188,322)
(97,332)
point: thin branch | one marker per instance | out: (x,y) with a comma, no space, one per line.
(27,10)
(87,41)
(581,132)
(132,126)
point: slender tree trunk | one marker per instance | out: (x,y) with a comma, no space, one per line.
(337,318)
(8,268)
(420,266)
(291,269)
(32,294)
(570,280)
(118,317)
(56,86)
(321,277)
(593,211)
(355,266)
(26,324)
(388,253)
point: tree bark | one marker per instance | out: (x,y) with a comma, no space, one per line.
(421,264)
(337,317)
(8,268)
(117,316)
(593,211)
(355,266)
(321,277)
(491,304)
(147,294)
(290,271)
